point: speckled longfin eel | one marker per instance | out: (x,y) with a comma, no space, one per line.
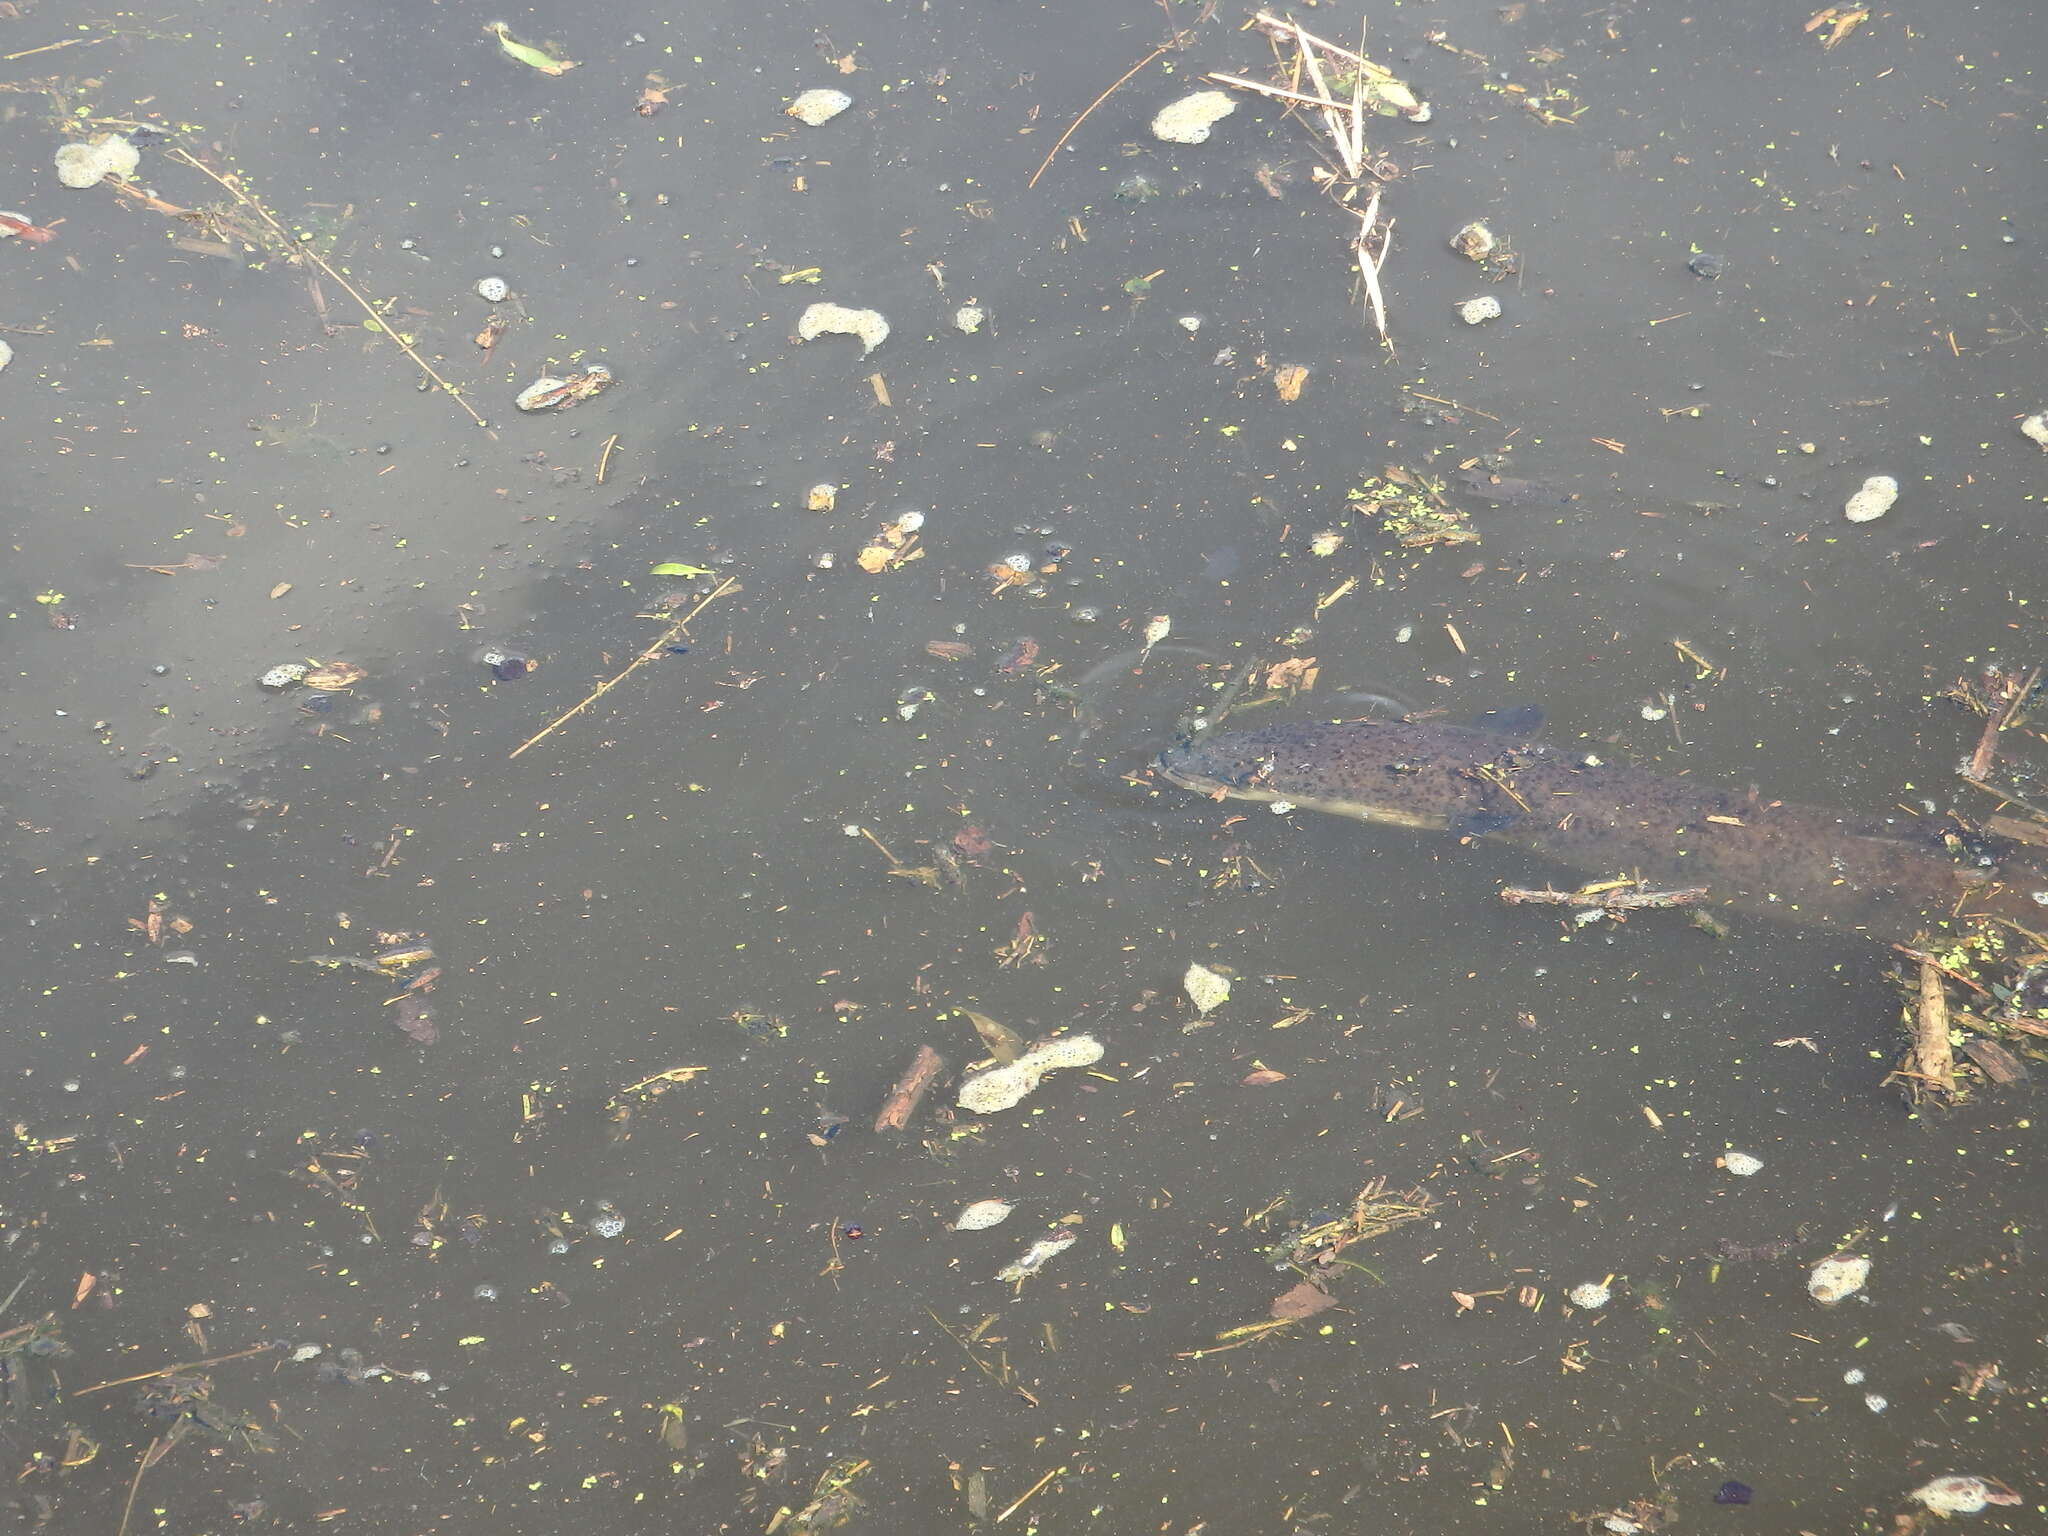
(1799,863)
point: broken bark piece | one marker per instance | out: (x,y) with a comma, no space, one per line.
(910,1089)
(1996,1062)
(1934,1063)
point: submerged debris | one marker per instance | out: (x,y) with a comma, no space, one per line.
(895,544)
(1412,507)
(1034,1258)
(333,676)
(1475,242)
(1189,120)
(833,1501)
(551,394)
(838,320)
(1008,1083)
(1320,1240)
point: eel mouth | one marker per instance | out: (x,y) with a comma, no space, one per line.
(1176,765)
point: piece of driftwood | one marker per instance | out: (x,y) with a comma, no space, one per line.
(910,1089)
(1934,1063)
(1620,898)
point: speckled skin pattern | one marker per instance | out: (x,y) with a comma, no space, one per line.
(1799,863)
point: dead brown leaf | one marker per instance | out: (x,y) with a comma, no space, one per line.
(1297,673)
(1975,1378)
(335,675)
(1304,1300)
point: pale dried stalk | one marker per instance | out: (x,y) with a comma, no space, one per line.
(1273,24)
(1279,91)
(1344,123)
(1368,264)
(1342,136)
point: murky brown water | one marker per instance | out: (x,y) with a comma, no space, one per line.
(245,1150)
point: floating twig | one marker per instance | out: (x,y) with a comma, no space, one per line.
(172,1370)
(1162,49)
(142,1464)
(660,644)
(1018,1503)
(234,190)
(88,42)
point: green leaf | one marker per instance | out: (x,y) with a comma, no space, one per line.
(678,568)
(527,54)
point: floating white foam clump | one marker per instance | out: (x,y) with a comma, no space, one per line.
(838,320)
(816,108)
(983,1214)
(1959,1494)
(86,165)
(1838,1278)
(1189,120)
(1010,1082)
(1873,501)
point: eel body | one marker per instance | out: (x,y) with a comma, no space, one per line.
(1800,863)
